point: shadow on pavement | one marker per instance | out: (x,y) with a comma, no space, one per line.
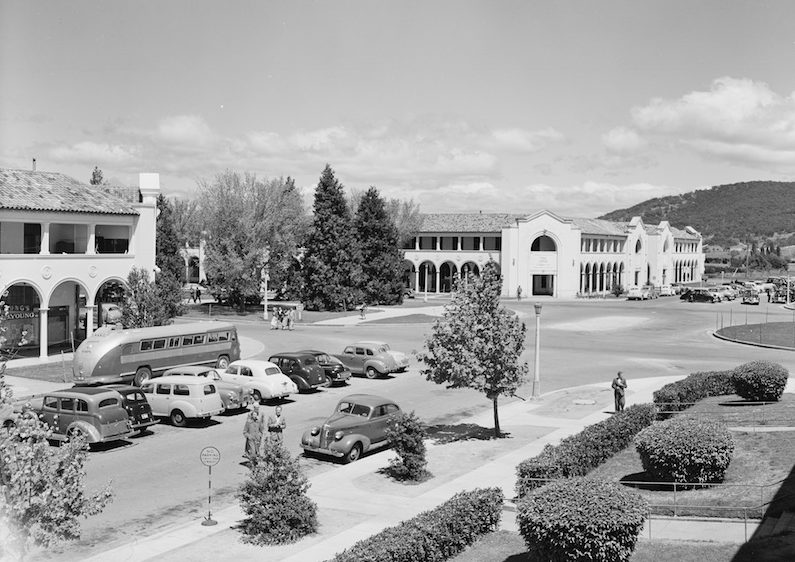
(450,433)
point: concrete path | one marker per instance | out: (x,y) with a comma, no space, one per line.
(382,314)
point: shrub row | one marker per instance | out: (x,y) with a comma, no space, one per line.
(760,381)
(680,395)
(578,454)
(433,535)
(686,450)
(581,519)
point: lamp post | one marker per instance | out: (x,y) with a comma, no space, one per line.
(536,362)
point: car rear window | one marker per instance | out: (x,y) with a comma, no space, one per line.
(164,389)
(310,360)
(136,397)
(272,371)
(209,389)
(181,390)
(107,402)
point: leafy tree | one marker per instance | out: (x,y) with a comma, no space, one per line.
(477,342)
(143,304)
(274,499)
(382,261)
(96,176)
(42,488)
(188,222)
(332,261)
(167,246)
(407,439)
(407,218)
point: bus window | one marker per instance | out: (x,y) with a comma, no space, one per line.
(173,342)
(146,345)
(212,337)
(187,340)
(159,344)
(198,340)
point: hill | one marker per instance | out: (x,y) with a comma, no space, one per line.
(755,211)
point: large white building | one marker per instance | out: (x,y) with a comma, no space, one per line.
(549,255)
(65,248)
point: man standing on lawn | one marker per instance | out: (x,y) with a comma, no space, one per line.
(619,388)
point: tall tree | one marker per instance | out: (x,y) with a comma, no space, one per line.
(167,246)
(332,261)
(96,176)
(382,261)
(407,218)
(477,342)
(188,222)
(143,304)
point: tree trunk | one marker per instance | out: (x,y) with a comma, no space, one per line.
(497,432)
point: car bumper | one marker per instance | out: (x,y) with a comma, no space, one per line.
(340,377)
(321,451)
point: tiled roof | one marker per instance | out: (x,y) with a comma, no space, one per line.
(684,234)
(466,222)
(601,227)
(50,191)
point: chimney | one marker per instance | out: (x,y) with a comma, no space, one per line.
(34,164)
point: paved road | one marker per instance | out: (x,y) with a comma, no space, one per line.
(158,478)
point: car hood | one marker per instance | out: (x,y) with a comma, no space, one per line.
(343,421)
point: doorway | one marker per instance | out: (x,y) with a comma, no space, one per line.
(544,285)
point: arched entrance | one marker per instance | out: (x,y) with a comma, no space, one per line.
(447,273)
(23,321)
(65,324)
(193,269)
(107,303)
(470,268)
(409,275)
(427,277)
(543,265)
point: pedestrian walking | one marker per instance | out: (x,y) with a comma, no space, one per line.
(276,425)
(290,318)
(363,311)
(252,432)
(519,293)
(193,294)
(198,295)
(275,320)
(619,389)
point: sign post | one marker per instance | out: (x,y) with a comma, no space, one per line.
(210,457)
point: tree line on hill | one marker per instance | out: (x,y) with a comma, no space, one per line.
(761,212)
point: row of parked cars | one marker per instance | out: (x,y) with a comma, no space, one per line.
(180,394)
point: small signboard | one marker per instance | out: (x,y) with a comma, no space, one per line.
(210,456)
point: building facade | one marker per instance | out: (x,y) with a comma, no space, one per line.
(66,249)
(549,255)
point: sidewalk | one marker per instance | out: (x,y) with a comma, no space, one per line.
(370,512)
(383,314)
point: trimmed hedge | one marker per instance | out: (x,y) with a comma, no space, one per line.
(581,519)
(686,450)
(578,454)
(433,535)
(680,395)
(760,381)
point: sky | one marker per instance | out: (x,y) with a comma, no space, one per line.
(578,107)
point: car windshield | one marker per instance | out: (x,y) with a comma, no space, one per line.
(272,371)
(353,409)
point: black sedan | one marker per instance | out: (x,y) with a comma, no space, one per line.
(336,372)
(700,295)
(134,401)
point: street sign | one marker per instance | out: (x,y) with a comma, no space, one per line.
(210,456)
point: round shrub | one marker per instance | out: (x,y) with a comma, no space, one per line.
(760,381)
(407,439)
(581,519)
(685,450)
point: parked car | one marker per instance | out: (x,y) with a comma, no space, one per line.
(265,379)
(750,296)
(95,413)
(666,291)
(372,359)
(336,372)
(302,368)
(728,292)
(138,409)
(235,396)
(678,288)
(779,297)
(359,422)
(182,398)
(638,293)
(700,294)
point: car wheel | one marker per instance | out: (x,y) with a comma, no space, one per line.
(77,433)
(257,397)
(178,418)
(329,382)
(354,454)
(370,373)
(142,375)
(222,363)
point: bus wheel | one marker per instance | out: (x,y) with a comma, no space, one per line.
(178,418)
(222,363)
(142,375)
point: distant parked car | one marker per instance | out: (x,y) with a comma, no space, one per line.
(235,396)
(727,292)
(336,372)
(359,422)
(750,296)
(701,295)
(666,291)
(408,293)
(302,368)
(95,413)
(372,359)
(265,379)
(638,293)
(138,409)
(181,398)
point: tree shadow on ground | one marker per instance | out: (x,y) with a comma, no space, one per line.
(451,433)
(395,475)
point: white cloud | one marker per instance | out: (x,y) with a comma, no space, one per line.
(736,120)
(622,140)
(521,140)
(88,152)
(185,131)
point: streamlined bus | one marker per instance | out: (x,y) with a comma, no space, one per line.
(133,355)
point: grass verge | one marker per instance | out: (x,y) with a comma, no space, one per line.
(781,334)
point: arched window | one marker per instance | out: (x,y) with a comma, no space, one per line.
(543,244)
(638,247)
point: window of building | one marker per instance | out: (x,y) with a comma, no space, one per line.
(427,242)
(493,243)
(68,238)
(111,239)
(471,243)
(31,239)
(410,243)
(448,243)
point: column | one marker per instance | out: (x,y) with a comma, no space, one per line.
(416,279)
(417,243)
(43,324)
(90,320)
(438,278)
(45,239)
(91,248)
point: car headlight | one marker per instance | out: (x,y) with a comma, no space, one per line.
(339,435)
(314,431)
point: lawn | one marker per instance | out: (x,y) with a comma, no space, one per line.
(508,546)
(761,459)
(771,333)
